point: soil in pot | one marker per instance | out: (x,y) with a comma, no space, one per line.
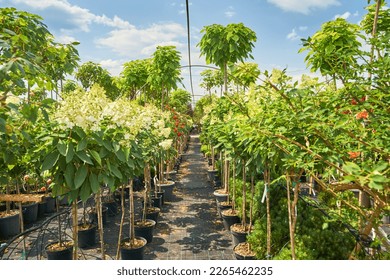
(152,213)
(133,251)
(229,217)
(145,229)
(224,205)
(87,235)
(220,195)
(242,251)
(9,224)
(57,251)
(239,233)
(30,212)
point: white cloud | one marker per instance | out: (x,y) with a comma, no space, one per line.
(113,66)
(65,39)
(134,42)
(230,12)
(346,15)
(293,35)
(303,6)
(81,18)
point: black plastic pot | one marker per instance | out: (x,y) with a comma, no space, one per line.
(241,257)
(9,226)
(238,237)
(153,215)
(145,231)
(220,197)
(42,208)
(229,220)
(93,217)
(222,207)
(112,208)
(161,194)
(30,213)
(64,254)
(133,253)
(50,204)
(87,237)
(168,188)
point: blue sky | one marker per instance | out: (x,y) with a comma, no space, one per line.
(112,32)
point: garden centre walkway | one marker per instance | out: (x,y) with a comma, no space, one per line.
(188,227)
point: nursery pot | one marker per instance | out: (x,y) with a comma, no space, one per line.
(50,204)
(87,235)
(30,212)
(168,188)
(211,175)
(152,213)
(220,195)
(238,234)
(171,175)
(229,218)
(93,217)
(145,230)
(136,253)
(112,207)
(56,253)
(161,194)
(9,225)
(221,206)
(42,208)
(240,252)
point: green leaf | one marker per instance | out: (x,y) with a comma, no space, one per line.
(93,179)
(69,152)
(84,157)
(351,168)
(85,191)
(69,176)
(61,147)
(116,171)
(80,176)
(374,185)
(81,145)
(381,166)
(50,160)
(379,178)
(325,226)
(121,155)
(96,157)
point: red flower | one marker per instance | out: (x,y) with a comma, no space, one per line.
(362,115)
(353,155)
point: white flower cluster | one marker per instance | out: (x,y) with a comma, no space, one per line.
(93,111)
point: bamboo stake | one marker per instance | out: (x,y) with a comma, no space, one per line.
(122,222)
(100,222)
(267,179)
(75,230)
(243,194)
(131,212)
(292,239)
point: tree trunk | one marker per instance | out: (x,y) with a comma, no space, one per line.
(225,79)
(100,222)
(267,180)
(290,222)
(75,230)
(243,194)
(131,211)
(122,222)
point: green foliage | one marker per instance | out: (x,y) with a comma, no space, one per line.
(164,71)
(90,73)
(222,44)
(134,76)
(180,100)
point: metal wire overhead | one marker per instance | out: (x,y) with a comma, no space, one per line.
(189,50)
